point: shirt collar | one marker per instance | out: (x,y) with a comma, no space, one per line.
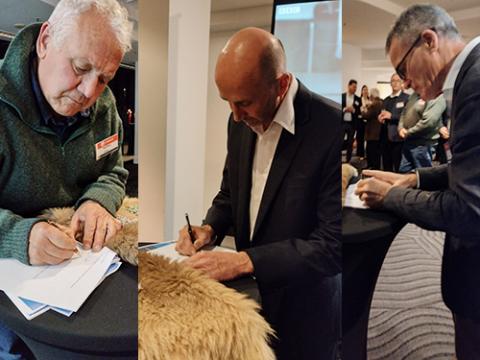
(457,64)
(285,115)
(396,94)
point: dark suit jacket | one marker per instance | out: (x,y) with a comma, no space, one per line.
(450,197)
(395,105)
(357,103)
(296,242)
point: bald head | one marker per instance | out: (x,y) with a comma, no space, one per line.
(251,77)
(252,52)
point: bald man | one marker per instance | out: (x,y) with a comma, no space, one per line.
(280,193)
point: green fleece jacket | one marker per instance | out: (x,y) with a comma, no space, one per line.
(422,120)
(37,171)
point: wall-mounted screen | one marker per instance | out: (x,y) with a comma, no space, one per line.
(311,32)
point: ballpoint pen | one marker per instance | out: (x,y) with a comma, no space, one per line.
(55,225)
(190,231)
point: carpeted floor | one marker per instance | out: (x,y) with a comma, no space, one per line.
(408,319)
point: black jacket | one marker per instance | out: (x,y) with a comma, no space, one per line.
(297,238)
(357,103)
(449,199)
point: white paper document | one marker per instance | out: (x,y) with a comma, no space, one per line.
(63,288)
(167,249)
(352,200)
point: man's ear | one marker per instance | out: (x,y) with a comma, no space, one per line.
(283,84)
(43,40)
(430,39)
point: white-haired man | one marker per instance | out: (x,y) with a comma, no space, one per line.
(60,134)
(427,51)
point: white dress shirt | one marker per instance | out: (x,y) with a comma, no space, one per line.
(453,74)
(349,98)
(265,149)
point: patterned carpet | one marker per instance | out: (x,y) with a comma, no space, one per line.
(408,319)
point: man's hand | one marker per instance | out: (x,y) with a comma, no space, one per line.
(221,266)
(203,236)
(372,191)
(94,225)
(401,180)
(444,133)
(403,133)
(349,109)
(384,115)
(49,245)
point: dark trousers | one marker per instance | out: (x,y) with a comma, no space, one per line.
(391,155)
(360,138)
(306,318)
(373,154)
(441,155)
(348,135)
(467,338)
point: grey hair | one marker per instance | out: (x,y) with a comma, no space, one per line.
(66,13)
(374,92)
(418,18)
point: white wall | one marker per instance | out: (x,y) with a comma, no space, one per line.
(217,116)
(351,64)
(152,105)
(356,64)
(218,110)
(187,112)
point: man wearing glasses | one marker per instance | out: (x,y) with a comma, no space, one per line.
(429,54)
(390,142)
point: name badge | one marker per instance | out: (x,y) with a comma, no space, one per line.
(106,146)
(356,103)
(399,105)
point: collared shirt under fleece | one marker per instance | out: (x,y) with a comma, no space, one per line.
(37,169)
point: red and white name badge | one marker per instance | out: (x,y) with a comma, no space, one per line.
(106,146)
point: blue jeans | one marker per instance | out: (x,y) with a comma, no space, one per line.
(415,156)
(7,342)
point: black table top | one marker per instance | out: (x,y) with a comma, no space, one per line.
(246,285)
(108,320)
(362,225)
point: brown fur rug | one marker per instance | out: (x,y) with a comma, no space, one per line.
(184,315)
(124,243)
(348,172)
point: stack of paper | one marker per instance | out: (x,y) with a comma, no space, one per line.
(62,288)
(167,249)
(352,200)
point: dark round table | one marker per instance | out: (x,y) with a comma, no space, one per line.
(367,235)
(245,285)
(105,326)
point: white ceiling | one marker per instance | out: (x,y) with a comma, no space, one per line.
(222,5)
(366,22)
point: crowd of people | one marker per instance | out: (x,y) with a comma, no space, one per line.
(399,133)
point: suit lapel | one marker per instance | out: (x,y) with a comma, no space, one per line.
(245,162)
(284,155)
(469,62)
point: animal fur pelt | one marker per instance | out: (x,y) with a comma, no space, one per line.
(348,172)
(124,243)
(184,315)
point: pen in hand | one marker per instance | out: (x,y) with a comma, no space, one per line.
(190,231)
(55,225)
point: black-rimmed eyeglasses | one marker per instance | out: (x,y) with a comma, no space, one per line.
(401,68)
